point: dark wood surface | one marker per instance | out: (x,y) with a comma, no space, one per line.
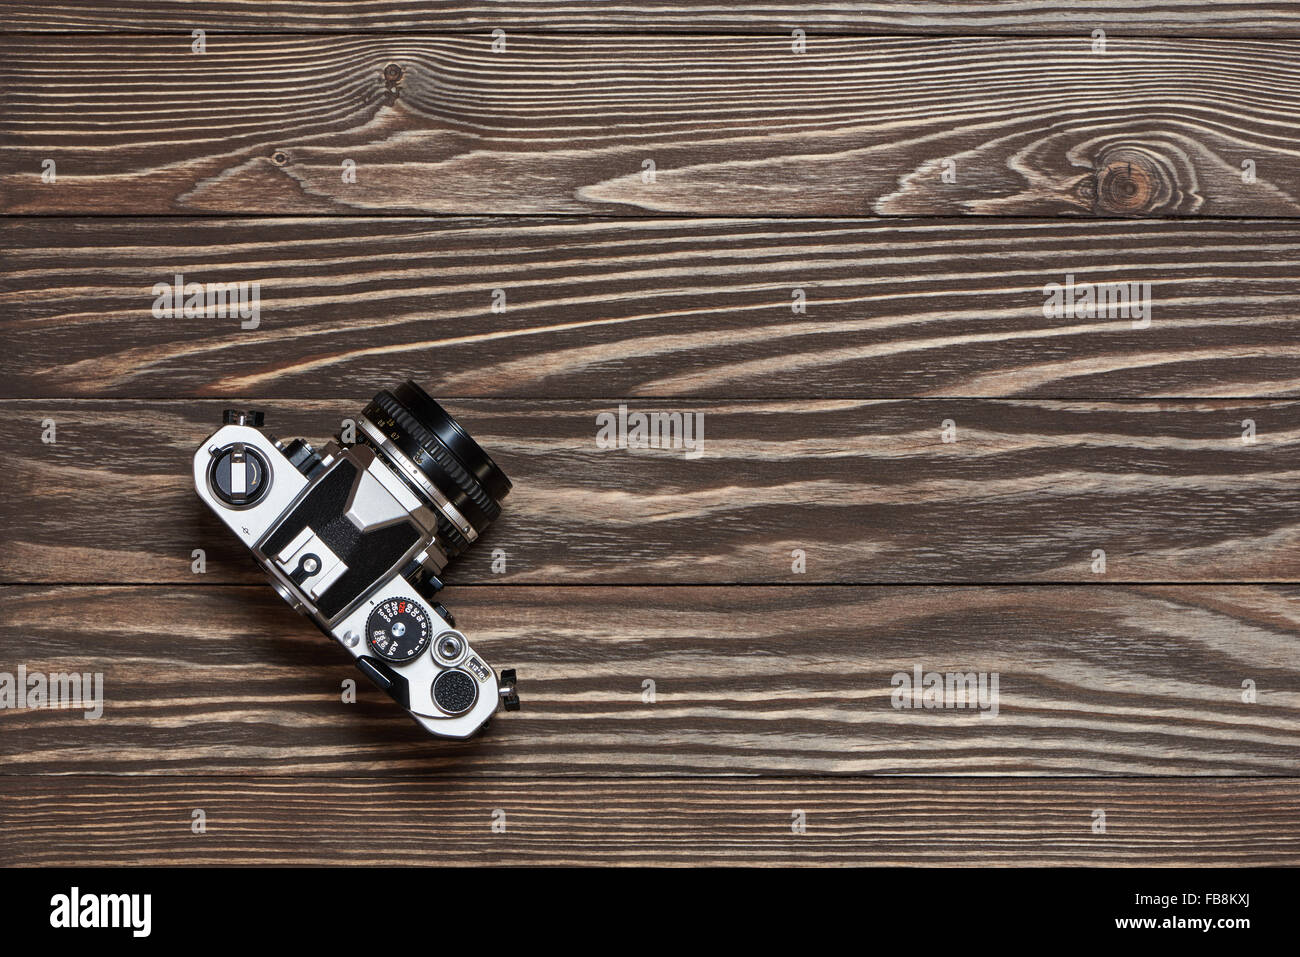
(1162,691)
(664,821)
(733,125)
(1111,681)
(651,308)
(1242,18)
(868,490)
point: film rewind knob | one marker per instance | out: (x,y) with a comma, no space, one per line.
(239,475)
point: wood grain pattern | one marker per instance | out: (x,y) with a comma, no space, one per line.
(1166,18)
(747,680)
(868,490)
(992,164)
(662,307)
(80,820)
(565,124)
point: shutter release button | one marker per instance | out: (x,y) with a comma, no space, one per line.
(455,691)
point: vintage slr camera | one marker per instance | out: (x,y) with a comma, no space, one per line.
(355,536)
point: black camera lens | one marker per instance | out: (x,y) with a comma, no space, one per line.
(437,458)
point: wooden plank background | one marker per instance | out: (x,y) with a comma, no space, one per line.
(778,681)
(663,822)
(868,490)
(733,125)
(653,308)
(1242,18)
(1161,689)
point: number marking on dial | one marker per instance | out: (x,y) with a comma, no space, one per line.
(398,630)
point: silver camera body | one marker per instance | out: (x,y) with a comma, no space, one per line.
(355,537)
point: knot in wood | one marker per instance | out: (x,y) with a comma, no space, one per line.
(1132,181)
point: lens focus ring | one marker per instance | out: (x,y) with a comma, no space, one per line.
(413,423)
(429,444)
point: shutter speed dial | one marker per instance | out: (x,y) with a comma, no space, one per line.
(398,630)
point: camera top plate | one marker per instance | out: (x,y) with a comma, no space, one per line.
(286,483)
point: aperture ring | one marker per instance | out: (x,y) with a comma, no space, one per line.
(448,512)
(428,466)
(454,437)
(450,538)
(453,542)
(435,449)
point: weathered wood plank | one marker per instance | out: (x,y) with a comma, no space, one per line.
(567,124)
(79,821)
(1100,680)
(1166,18)
(868,491)
(651,307)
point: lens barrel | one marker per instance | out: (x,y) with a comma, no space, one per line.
(437,458)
